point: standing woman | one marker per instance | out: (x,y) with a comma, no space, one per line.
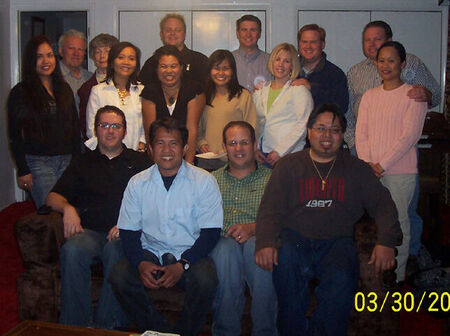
(99,48)
(43,124)
(121,89)
(282,109)
(226,101)
(173,96)
(388,128)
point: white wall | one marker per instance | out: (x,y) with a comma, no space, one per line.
(103,17)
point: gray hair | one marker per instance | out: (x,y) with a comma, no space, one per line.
(101,40)
(71,32)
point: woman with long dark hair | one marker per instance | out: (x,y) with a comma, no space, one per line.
(226,101)
(44,130)
(387,131)
(122,89)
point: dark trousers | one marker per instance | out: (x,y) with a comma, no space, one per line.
(335,264)
(200,283)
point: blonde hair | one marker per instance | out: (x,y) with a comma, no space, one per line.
(294,58)
(172,16)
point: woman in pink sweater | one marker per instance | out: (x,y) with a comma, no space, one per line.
(388,128)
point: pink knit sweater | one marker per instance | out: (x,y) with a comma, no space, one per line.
(388,128)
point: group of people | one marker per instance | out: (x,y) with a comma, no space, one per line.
(280,205)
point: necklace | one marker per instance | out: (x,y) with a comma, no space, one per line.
(122,95)
(324,180)
(171,97)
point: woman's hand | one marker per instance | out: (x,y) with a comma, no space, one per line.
(260,156)
(204,148)
(25,182)
(141,147)
(377,169)
(272,158)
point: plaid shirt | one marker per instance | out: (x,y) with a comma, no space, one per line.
(241,197)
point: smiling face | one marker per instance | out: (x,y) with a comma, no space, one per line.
(240,148)
(221,73)
(110,139)
(173,33)
(168,151)
(45,61)
(326,137)
(125,63)
(310,46)
(101,58)
(169,70)
(282,65)
(389,64)
(73,51)
(248,35)
(373,39)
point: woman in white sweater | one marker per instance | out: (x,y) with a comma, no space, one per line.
(120,89)
(282,109)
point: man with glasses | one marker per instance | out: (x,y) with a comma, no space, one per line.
(173,32)
(241,184)
(311,204)
(88,195)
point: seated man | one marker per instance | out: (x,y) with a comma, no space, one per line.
(242,184)
(311,203)
(170,219)
(88,194)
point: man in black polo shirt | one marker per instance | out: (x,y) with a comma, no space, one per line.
(173,32)
(88,195)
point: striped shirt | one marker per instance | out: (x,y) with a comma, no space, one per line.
(364,76)
(241,197)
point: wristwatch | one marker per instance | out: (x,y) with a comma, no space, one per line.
(185,264)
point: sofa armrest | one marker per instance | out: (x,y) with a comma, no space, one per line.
(40,238)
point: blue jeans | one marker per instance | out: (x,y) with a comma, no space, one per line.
(45,170)
(200,283)
(415,221)
(335,264)
(77,256)
(235,264)
(401,187)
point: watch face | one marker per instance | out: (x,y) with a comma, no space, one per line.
(186,266)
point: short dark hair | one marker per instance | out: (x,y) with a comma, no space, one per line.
(248,18)
(239,123)
(397,46)
(380,24)
(333,109)
(169,124)
(110,109)
(167,50)
(114,53)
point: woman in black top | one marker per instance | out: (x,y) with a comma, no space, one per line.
(44,129)
(173,96)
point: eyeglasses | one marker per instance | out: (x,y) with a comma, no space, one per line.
(106,126)
(332,130)
(235,143)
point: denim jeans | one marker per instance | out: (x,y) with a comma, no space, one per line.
(45,170)
(416,222)
(200,283)
(401,187)
(77,255)
(335,264)
(235,264)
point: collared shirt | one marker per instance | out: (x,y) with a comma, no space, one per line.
(252,68)
(241,197)
(364,76)
(105,93)
(74,82)
(94,184)
(171,220)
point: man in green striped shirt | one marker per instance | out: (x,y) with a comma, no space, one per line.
(242,183)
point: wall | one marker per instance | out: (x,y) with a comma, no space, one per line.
(282,21)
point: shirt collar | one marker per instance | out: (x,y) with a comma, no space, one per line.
(249,178)
(319,65)
(249,57)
